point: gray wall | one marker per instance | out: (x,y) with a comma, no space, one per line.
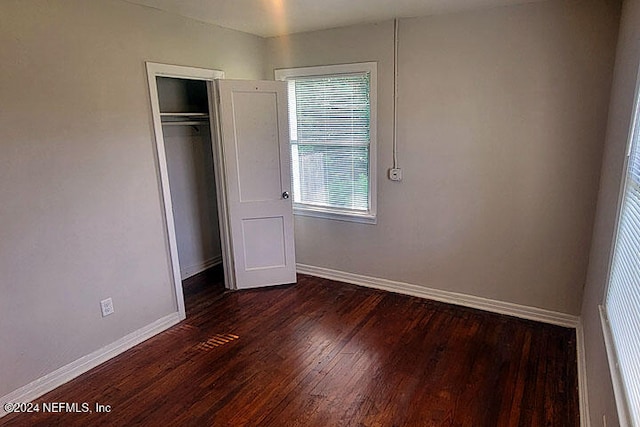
(502,116)
(81,211)
(601,399)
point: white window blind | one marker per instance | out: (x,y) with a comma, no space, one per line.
(330,119)
(623,295)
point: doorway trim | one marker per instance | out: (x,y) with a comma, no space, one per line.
(155,70)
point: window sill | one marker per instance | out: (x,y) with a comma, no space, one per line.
(363,218)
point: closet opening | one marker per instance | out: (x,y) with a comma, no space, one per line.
(185,118)
(224,173)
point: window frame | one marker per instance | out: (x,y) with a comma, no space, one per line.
(620,394)
(370,216)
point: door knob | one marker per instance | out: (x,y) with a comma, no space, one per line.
(285,195)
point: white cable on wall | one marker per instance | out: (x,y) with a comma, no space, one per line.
(395,93)
(395,173)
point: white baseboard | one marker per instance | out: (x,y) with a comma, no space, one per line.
(494,306)
(583,395)
(45,384)
(192,270)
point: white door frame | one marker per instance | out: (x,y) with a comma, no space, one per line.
(163,70)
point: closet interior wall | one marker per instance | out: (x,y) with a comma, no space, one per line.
(187,139)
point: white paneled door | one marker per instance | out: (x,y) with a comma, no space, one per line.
(254,130)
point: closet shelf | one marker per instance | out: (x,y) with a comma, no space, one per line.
(186,123)
(184,119)
(184,115)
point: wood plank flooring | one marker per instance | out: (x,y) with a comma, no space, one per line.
(324,353)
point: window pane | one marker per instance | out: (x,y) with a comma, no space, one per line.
(332,176)
(330,135)
(332,109)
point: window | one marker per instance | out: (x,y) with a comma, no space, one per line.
(623,294)
(332,127)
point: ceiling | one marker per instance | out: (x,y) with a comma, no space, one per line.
(269,18)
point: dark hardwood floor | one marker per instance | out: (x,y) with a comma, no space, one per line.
(323,353)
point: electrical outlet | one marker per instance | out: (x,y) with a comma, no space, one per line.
(107,307)
(395,174)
